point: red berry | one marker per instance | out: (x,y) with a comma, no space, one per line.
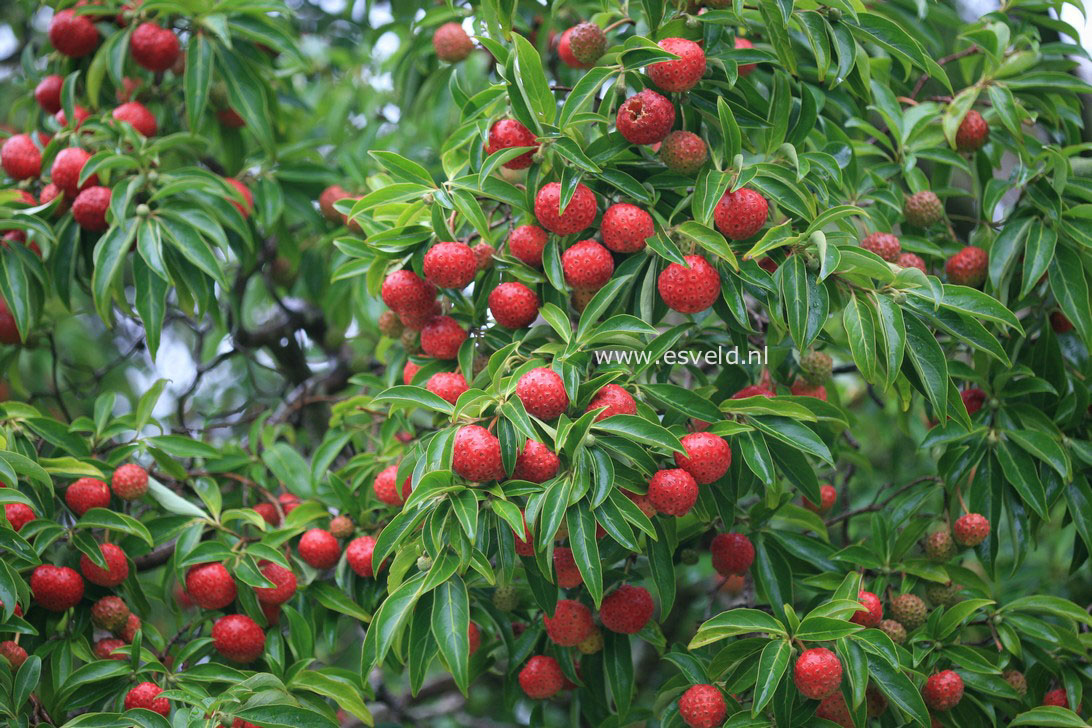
(409,371)
(1060,322)
(587,265)
(20,157)
(319,549)
(911,260)
(130,481)
(9,332)
(49,193)
(834,708)
(48,93)
(109,613)
(513,305)
(447,386)
(238,638)
(818,673)
(973,132)
(18,515)
(526,243)
(943,691)
(130,629)
(73,35)
(285,582)
(673,492)
(683,152)
(642,502)
(87,493)
(269,514)
(79,112)
(645,118)
(872,613)
(741,214)
(154,47)
(541,677)
(104,649)
(702,706)
(827,497)
(802,388)
(248,198)
(707,458)
(138,115)
(451,43)
(885,245)
(733,553)
(508,133)
(405,291)
(1057,697)
(627,609)
(536,463)
(690,289)
(288,501)
(616,400)
(474,637)
(625,228)
(359,555)
(587,43)
(476,454)
(542,393)
(483,253)
(753,390)
(566,570)
(973,399)
(571,623)
(971,529)
(968,267)
(578,214)
(117,566)
(89,208)
(146,695)
(56,587)
(450,265)
(682,74)
(744,69)
(326,201)
(441,337)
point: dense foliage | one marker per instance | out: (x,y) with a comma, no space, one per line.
(614,363)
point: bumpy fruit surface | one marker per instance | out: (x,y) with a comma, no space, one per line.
(89,208)
(13,653)
(909,610)
(645,118)
(542,393)
(505,598)
(702,706)
(943,691)
(973,132)
(587,265)
(536,463)
(359,555)
(741,214)
(683,152)
(626,227)
(803,388)
(939,546)
(20,157)
(238,638)
(744,69)
(129,482)
(911,260)
(578,214)
(943,595)
(405,291)
(117,566)
(923,208)
(592,644)
(508,133)
(1016,679)
(447,386)
(1057,697)
(138,115)
(48,93)
(409,371)
(682,74)
(565,569)
(513,305)
(615,400)
(319,549)
(390,325)
(146,695)
(733,553)
(973,399)
(673,492)
(587,42)
(283,579)
(971,529)
(968,266)
(541,677)
(18,515)
(885,245)
(476,455)
(834,708)
(66,169)
(386,487)
(154,47)
(109,613)
(526,243)
(571,624)
(78,112)
(451,43)
(565,51)
(816,366)
(128,632)
(450,265)
(441,337)
(707,458)
(627,609)
(894,630)
(87,493)
(326,201)
(73,35)
(210,586)
(690,289)
(872,612)
(818,673)
(56,587)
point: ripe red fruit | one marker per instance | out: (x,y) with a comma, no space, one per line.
(818,673)
(586,42)
(968,266)
(943,691)
(154,47)
(447,386)
(744,69)
(451,43)
(642,502)
(508,133)
(9,332)
(326,201)
(409,371)
(404,290)
(238,638)
(872,612)
(230,118)
(645,118)
(733,553)
(578,214)
(18,515)
(587,265)
(109,613)
(627,609)
(911,260)
(526,243)
(625,228)
(450,265)
(1060,323)
(483,253)
(702,706)
(73,35)
(269,514)
(673,492)
(48,93)
(146,695)
(513,305)
(248,198)
(13,653)
(117,566)
(682,74)
(20,157)
(130,481)
(441,337)
(285,582)
(541,677)
(834,708)
(536,463)
(1057,697)
(707,458)
(524,544)
(49,193)
(923,209)
(973,132)
(973,399)
(616,400)
(359,555)
(971,529)
(683,152)
(542,393)
(571,624)
(138,115)
(79,112)
(741,214)
(89,208)
(690,289)
(474,637)
(566,570)
(318,548)
(87,493)
(802,388)
(56,587)
(885,245)
(288,501)
(129,631)
(104,649)
(476,454)
(827,498)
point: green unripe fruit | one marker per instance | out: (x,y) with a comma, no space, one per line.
(505,598)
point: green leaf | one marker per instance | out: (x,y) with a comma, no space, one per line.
(1050,716)
(640,430)
(450,622)
(285,716)
(772,664)
(898,688)
(735,622)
